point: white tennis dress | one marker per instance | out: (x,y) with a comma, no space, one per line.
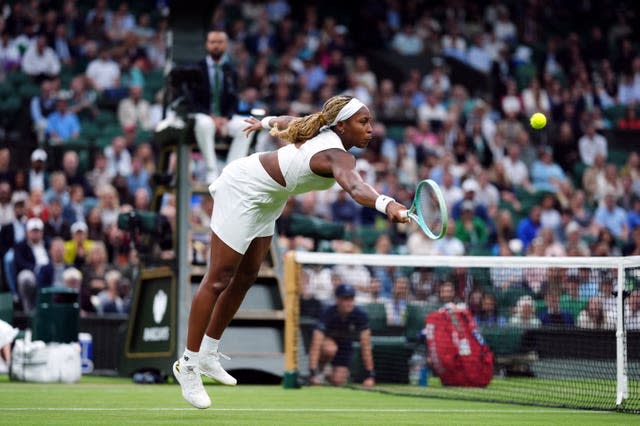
(247,201)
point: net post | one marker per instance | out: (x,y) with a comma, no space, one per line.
(622,384)
(292,320)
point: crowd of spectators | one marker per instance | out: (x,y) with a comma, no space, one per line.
(510,191)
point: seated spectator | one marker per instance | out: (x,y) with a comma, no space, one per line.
(99,175)
(78,247)
(103,72)
(108,301)
(94,275)
(591,144)
(552,315)
(396,305)
(38,177)
(62,125)
(407,41)
(489,315)
(418,243)
(612,217)
(134,110)
(118,158)
(550,214)
(593,316)
(535,99)
(449,245)
(632,311)
(36,207)
(72,278)
(630,121)
(552,247)
(83,102)
(109,205)
(40,61)
(469,229)
(40,107)
(75,209)
(524,315)
(608,183)
(30,255)
(10,56)
(545,174)
(52,274)
(6,206)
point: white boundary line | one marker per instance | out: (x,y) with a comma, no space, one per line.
(321,410)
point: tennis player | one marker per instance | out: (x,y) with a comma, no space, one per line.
(248,197)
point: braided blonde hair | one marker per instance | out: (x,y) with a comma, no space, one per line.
(304,128)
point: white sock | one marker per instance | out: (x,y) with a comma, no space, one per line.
(209,344)
(190,357)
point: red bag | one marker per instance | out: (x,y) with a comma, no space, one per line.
(457,351)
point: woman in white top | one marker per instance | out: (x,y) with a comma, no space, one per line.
(248,197)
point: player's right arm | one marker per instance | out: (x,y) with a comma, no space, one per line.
(342,166)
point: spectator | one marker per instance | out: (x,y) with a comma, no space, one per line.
(99,175)
(93,275)
(549,213)
(332,341)
(38,177)
(524,315)
(470,187)
(489,315)
(118,158)
(62,125)
(612,217)
(9,54)
(345,210)
(608,183)
(406,41)
(83,102)
(75,209)
(139,177)
(591,144)
(594,317)
(108,301)
(78,247)
(632,311)
(30,256)
(552,315)
(57,188)
(6,206)
(515,169)
(419,244)
(40,61)
(135,110)
(52,274)
(396,305)
(535,99)
(450,245)
(545,174)
(40,107)
(357,276)
(630,121)
(109,205)
(103,72)
(70,167)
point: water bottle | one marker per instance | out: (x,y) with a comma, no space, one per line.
(424,375)
(416,363)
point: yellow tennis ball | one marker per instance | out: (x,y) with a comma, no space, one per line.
(538,120)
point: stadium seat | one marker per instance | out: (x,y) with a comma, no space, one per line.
(377,316)
(6,307)
(503,340)
(415,319)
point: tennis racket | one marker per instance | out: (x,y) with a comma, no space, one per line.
(429,209)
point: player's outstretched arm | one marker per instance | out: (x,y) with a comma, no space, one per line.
(342,166)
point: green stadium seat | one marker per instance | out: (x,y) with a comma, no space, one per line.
(377,316)
(503,340)
(415,319)
(6,307)
(524,75)
(106,118)
(28,90)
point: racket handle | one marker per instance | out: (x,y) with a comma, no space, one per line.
(404,214)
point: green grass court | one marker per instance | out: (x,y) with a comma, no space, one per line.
(99,400)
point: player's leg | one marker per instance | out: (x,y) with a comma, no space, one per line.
(227,306)
(223,263)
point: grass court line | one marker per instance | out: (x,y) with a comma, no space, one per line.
(321,410)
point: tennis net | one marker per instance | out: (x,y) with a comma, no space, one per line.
(564,331)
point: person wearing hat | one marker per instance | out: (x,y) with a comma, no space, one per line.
(470,188)
(37,177)
(332,342)
(77,249)
(30,255)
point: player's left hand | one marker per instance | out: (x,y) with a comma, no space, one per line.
(253,125)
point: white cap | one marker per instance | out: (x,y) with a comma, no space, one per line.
(572,227)
(79,226)
(470,185)
(71,274)
(34,223)
(39,155)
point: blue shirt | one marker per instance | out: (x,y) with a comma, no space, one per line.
(615,219)
(344,330)
(64,125)
(541,173)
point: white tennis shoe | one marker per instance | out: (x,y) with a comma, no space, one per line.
(210,367)
(191,384)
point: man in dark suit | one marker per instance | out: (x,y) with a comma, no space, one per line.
(10,234)
(216,106)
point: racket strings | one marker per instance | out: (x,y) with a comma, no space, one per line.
(430,209)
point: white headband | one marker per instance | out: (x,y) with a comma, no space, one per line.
(346,112)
